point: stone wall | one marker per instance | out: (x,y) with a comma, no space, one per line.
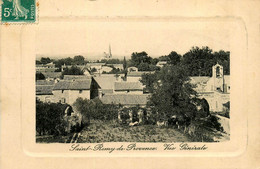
(70,96)
(215,100)
(45,98)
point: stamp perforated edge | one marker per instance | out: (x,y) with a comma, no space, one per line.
(36,21)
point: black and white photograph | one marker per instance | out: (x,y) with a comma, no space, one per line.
(150,82)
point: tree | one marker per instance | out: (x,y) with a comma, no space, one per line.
(94,109)
(93,70)
(111,61)
(49,118)
(124,64)
(150,80)
(45,60)
(138,58)
(223,58)
(39,76)
(174,58)
(38,62)
(199,61)
(74,70)
(78,60)
(175,94)
(154,61)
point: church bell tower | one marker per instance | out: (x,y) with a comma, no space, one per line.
(218,77)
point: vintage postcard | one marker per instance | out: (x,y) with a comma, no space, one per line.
(92,85)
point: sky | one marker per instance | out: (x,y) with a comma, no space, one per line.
(91,39)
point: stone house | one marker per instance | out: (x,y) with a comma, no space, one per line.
(44,90)
(106,83)
(67,91)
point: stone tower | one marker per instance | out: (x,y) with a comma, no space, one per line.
(218,77)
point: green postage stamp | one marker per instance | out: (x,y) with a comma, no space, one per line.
(18,11)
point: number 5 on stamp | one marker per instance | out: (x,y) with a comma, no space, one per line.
(18,11)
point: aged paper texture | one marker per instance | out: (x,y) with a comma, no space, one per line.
(130,126)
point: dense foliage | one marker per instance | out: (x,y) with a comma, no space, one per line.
(143,62)
(150,81)
(39,76)
(76,60)
(94,109)
(173,58)
(199,61)
(175,94)
(74,70)
(44,60)
(49,118)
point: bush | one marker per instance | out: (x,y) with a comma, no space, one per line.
(204,129)
(74,70)
(95,109)
(49,118)
(39,76)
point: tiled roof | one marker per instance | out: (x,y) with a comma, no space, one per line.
(125,99)
(73,85)
(76,77)
(106,81)
(95,64)
(105,91)
(44,82)
(128,86)
(138,73)
(52,74)
(44,89)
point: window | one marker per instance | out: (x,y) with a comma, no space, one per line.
(62,91)
(80,91)
(228,87)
